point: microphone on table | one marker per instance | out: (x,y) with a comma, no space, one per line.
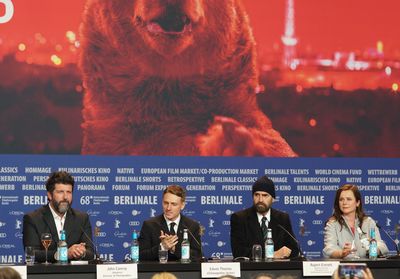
(97,259)
(397,256)
(201,232)
(239,259)
(301,256)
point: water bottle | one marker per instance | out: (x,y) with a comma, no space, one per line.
(62,249)
(135,247)
(185,247)
(269,246)
(373,245)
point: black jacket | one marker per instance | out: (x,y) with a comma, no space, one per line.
(149,239)
(246,231)
(41,221)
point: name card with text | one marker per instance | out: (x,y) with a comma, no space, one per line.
(115,271)
(214,270)
(319,268)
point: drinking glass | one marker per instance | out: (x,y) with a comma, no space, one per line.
(162,255)
(46,241)
(257,252)
(29,255)
(353,252)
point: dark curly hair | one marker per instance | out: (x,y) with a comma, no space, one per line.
(56,177)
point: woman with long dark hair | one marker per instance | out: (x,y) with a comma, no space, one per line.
(347,231)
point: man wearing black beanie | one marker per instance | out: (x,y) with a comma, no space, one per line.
(247,225)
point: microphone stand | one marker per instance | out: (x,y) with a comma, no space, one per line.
(300,256)
(97,259)
(394,257)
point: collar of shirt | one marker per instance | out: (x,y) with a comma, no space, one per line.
(356,225)
(176,221)
(267,215)
(59,221)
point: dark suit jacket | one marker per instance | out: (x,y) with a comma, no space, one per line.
(41,221)
(149,239)
(246,231)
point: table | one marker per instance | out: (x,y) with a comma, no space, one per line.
(381,268)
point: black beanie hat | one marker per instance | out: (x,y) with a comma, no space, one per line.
(264,184)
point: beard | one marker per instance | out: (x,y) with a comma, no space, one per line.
(261,207)
(61,207)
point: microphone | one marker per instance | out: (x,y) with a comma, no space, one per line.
(301,256)
(238,259)
(97,259)
(393,241)
(201,232)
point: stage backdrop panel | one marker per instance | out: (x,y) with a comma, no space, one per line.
(119,193)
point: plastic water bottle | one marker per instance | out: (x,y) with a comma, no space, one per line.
(62,249)
(269,246)
(373,245)
(185,247)
(135,248)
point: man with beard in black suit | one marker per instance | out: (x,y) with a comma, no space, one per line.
(248,227)
(58,215)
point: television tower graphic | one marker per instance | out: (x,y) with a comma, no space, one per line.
(288,39)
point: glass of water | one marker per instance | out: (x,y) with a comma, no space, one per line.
(162,254)
(29,255)
(257,253)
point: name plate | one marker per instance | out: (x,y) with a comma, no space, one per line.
(115,271)
(319,268)
(79,262)
(214,270)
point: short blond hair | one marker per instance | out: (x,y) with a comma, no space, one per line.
(9,273)
(164,275)
(176,190)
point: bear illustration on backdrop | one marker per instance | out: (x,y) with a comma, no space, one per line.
(172,77)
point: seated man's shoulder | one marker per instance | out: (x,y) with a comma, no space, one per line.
(37,212)
(152,220)
(243,213)
(279,214)
(189,221)
(79,214)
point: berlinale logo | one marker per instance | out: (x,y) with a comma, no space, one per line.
(8,11)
